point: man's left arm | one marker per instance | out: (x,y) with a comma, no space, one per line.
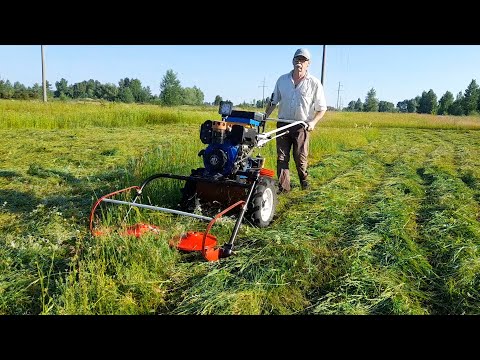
(318,116)
(320,103)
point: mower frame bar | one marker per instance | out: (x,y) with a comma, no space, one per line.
(151,207)
(193,178)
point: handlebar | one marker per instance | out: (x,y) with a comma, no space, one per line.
(264,138)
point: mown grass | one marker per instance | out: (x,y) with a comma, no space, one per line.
(390,226)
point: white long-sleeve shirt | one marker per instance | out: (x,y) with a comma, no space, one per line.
(301,102)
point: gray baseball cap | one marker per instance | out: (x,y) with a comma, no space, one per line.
(303,52)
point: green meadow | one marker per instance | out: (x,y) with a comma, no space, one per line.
(390,225)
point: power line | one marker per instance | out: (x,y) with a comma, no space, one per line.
(263,92)
(338,93)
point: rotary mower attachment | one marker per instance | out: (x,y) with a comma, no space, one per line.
(203,242)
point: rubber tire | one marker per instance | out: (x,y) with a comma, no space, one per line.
(263,203)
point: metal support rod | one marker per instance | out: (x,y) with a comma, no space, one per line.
(201,217)
(228,247)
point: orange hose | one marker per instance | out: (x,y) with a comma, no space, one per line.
(104,197)
(210,224)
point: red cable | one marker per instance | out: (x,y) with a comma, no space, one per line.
(210,224)
(104,197)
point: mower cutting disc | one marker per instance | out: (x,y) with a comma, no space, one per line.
(192,241)
(138,230)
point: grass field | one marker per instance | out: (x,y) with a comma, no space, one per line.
(389,227)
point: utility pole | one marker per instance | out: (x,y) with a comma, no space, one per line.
(338,94)
(323,64)
(44,81)
(263,92)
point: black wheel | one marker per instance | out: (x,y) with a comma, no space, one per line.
(263,203)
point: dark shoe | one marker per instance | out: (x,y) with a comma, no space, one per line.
(282,190)
(305,185)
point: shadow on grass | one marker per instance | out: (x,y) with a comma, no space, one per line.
(9,174)
(24,291)
(17,202)
(36,170)
(79,198)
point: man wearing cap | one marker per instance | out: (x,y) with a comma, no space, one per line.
(299,96)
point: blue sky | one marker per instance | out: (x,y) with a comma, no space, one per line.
(239,72)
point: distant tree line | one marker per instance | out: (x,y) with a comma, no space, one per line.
(127,91)
(465,103)
(173,94)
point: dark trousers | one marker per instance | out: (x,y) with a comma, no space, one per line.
(296,141)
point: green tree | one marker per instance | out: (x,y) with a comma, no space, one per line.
(456,108)
(260,104)
(171,93)
(350,106)
(385,106)
(91,88)
(445,103)
(36,91)
(50,92)
(412,104)
(140,94)
(358,105)
(124,83)
(62,88)
(217,100)
(470,98)
(125,95)
(428,103)
(193,96)
(80,90)
(200,95)
(371,102)
(402,106)
(19,91)
(108,92)
(432,102)
(6,89)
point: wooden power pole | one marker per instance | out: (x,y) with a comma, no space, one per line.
(44,81)
(323,64)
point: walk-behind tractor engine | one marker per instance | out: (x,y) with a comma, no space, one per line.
(231,180)
(228,163)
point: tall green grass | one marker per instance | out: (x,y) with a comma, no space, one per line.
(390,226)
(18,114)
(402,120)
(72,115)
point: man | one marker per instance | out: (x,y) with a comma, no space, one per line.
(299,96)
